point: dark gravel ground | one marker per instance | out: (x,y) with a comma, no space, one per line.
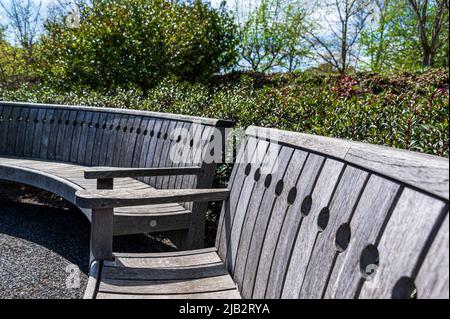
(44,239)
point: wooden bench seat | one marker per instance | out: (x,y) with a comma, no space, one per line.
(186,275)
(64,179)
(305,217)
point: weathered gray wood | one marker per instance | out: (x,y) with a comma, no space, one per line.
(236,185)
(165,255)
(166,260)
(12,131)
(291,224)
(78,128)
(91,288)
(406,234)
(293,172)
(432,280)
(341,209)
(21,133)
(259,192)
(226,294)
(127,152)
(122,198)
(224,215)
(376,204)
(155,287)
(5,116)
(111,172)
(100,138)
(164,158)
(168,116)
(426,172)
(126,223)
(262,221)
(47,132)
(193,272)
(29,134)
(102,222)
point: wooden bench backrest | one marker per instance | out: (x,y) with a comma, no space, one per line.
(335,219)
(106,137)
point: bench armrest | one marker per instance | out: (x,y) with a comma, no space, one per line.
(116,172)
(96,199)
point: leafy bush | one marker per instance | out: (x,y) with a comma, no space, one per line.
(408,111)
(137,43)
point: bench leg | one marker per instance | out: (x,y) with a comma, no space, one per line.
(102,234)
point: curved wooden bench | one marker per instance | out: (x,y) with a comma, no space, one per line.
(305,217)
(50,147)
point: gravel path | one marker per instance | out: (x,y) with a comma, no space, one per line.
(41,247)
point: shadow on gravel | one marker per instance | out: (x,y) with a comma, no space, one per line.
(43,237)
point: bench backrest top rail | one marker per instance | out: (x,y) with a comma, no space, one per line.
(161,115)
(426,172)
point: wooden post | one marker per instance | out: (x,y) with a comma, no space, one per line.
(195,238)
(102,221)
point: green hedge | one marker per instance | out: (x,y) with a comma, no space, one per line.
(408,111)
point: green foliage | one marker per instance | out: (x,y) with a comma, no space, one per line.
(14,69)
(406,110)
(137,43)
(392,42)
(271,36)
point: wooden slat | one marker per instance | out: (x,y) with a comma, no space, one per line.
(164,158)
(259,192)
(147,139)
(291,224)
(155,287)
(47,132)
(86,127)
(55,130)
(178,273)
(228,211)
(178,146)
(126,224)
(113,132)
(160,144)
(168,254)
(29,135)
(5,113)
(129,142)
(21,133)
(226,294)
(165,261)
(77,139)
(376,205)
(167,116)
(432,279)
(139,144)
(151,147)
(260,229)
(100,139)
(406,236)
(308,231)
(341,209)
(115,172)
(122,198)
(281,206)
(12,132)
